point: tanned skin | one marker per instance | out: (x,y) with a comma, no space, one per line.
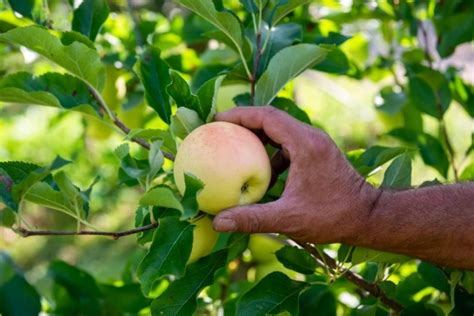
(325,200)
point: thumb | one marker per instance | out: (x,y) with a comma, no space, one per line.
(255,218)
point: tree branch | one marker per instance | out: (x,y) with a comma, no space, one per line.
(329,263)
(115,235)
(121,125)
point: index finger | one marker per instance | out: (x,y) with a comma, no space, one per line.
(277,125)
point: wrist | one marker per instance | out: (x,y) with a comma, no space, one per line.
(367,203)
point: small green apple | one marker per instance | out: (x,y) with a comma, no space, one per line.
(229,159)
(204,238)
(263,247)
(265,268)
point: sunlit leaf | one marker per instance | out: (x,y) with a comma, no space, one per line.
(168,254)
(77,58)
(283,67)
(161,196)
(398,174)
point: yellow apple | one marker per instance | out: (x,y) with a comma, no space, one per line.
(229,159)
(263,247)
(265,268)
(204,238)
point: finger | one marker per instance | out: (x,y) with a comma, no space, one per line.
(277,125)
(256,218)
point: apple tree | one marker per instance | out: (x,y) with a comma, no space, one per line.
(96,97)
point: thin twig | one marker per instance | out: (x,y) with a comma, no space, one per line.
(117,122)
(115,235)
(256,64)
(350,276)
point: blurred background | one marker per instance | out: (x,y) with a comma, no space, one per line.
(344,99)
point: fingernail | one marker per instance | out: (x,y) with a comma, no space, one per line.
(225,224)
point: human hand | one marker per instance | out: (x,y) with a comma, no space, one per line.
(324,200)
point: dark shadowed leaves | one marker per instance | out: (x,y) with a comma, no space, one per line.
(17,296)
(155,77)
(89,17)
(274,294)
(180,297)
(296,259)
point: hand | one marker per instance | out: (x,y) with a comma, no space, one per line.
(325,200)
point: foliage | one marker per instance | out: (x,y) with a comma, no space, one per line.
(151,72)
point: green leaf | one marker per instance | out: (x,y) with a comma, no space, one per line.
(77,58)
(434,276)
(408,287)
(336,62)
(454,30)
(291,108)
(236,245)
(17,296)
(22,187)
(179,90)
(79,285)
(433,153)
(51,89)
(360,255)
(7,217)
(423,97)
(189,201)
(296,259)
(168,254)
(274,294)
(398,174)
(281,36)
(155,159)
(89,17)
(318,298)
(184,122)
(24,7)
(18,170)
(43,194)
(463,93)
(375,157)
(127,298)
(207,95)
(468,173)
(169,144)
(392,101)
(283,67)
(155,76)
(180,297)
(283,10)
(224,21)
(161,196)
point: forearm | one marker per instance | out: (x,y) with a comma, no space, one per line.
(433,223)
